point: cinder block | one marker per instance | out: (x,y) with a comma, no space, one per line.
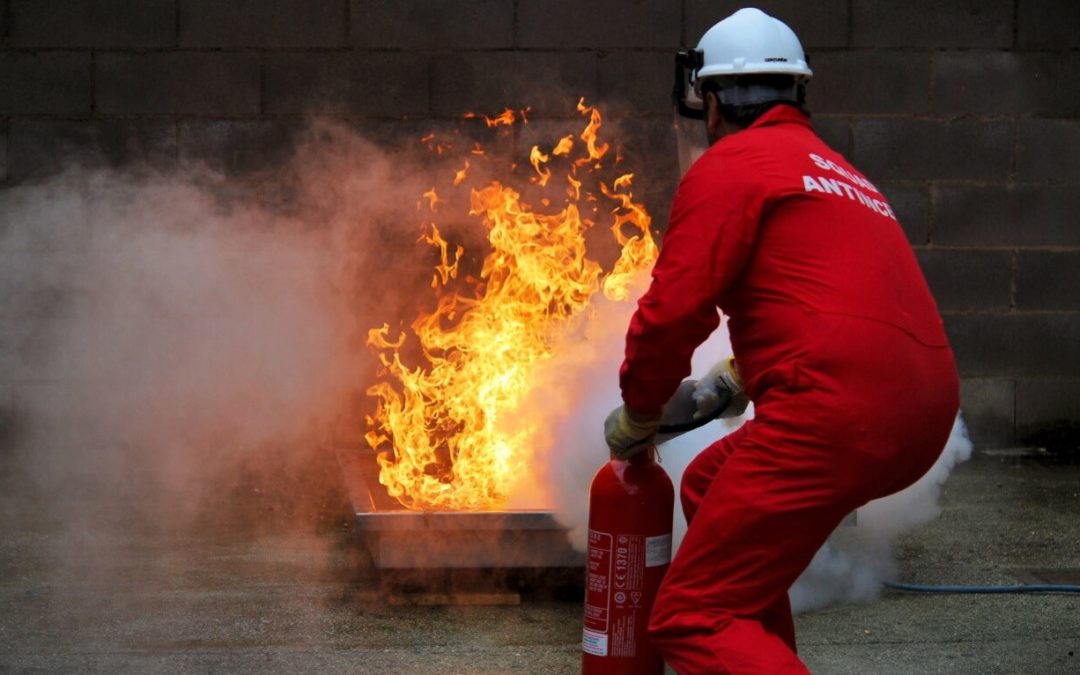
(1005,215)
(11,419)
(369,84)
(601,24)
(921,149)
(93,23)
(989,409)
(388,84)
(503,146)
(403,138)
(965,279)
(1024,83)
(490,81)
(238,148)
(930,23)
(10,359)
(38,148)
(642,80)
(432,24)
(1047,150)
(835,130)
(3,153)
(52,83)
(262,23)
(960,77)
(1048,24)
(1048,280)
(911,203)
(863,82)
(1048,408)
(170,83)
(818,24)
(300,83)
(1017,344)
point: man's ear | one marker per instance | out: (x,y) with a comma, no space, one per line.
(714,121)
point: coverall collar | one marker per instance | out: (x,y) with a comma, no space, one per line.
(782,114)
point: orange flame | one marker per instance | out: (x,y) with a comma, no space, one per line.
(506,118)
(440,427)
(574,191)
(589,135)
(445,270)
(459,176)
(537,158)
(566,144)
(433,199)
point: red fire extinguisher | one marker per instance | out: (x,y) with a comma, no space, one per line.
(631,505)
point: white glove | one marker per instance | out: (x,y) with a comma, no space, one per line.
(628,434)
(723,377)
(696,402)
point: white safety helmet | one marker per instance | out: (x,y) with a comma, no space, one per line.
(749,42)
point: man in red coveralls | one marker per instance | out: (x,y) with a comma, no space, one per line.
(836,338)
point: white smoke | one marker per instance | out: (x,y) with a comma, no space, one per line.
(185,349)
(857,559)
(583,378)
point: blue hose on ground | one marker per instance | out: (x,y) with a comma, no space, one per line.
(1021,588)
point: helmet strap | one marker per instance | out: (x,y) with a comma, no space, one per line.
(751,94)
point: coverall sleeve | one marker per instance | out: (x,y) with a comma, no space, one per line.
(713,227)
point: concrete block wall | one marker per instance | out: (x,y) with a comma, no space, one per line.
(967,113)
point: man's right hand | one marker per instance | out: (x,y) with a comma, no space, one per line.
(628,434)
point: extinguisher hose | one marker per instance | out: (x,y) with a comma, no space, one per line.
(697,423)
(684,427)
(1019,588)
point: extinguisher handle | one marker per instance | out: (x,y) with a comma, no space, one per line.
(680,428)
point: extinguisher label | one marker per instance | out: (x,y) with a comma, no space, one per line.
(597,584)
(594,643)
(629,565)
(658,550)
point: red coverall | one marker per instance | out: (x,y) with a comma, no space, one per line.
(842,350)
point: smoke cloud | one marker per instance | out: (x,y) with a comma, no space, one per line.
(182,352)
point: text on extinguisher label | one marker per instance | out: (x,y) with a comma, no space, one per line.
(594,643)
(629,565)
(597,584)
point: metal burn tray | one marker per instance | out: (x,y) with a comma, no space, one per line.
(398,538)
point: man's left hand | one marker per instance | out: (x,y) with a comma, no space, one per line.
(628,434)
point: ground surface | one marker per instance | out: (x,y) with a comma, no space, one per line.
(137,599)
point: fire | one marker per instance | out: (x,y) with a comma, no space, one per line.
(440,426)
(459,176)
(537,158)
(506,118)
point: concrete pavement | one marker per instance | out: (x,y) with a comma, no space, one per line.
(126,597)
